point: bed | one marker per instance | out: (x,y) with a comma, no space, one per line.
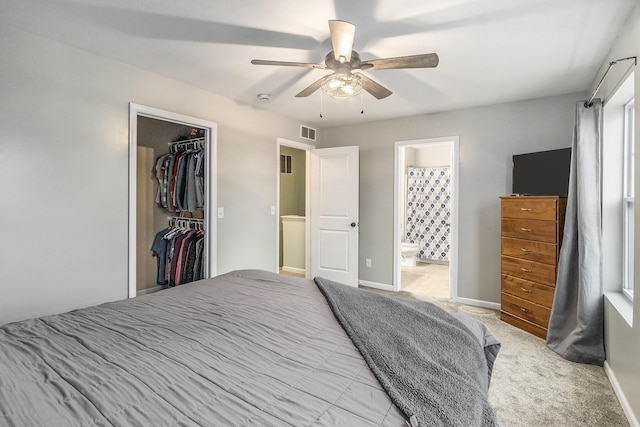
(248,348)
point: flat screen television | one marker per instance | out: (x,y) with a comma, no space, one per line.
(543,173)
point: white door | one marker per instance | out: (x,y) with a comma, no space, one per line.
(334,214)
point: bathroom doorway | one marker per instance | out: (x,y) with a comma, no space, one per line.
(293,207)
(425,217)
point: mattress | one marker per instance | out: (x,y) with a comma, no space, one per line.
(248,348)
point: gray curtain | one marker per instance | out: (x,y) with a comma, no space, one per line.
(576,326)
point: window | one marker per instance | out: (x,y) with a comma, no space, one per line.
(628,200)
(285,163)
(618,192)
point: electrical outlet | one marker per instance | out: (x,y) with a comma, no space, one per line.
(220,213)
(367,262)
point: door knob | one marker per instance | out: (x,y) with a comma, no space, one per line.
(353,224)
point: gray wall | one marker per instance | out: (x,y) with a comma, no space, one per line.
(64,125)
(489,136)
(622,341)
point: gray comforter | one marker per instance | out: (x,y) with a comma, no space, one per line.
(248,348)
(434,367)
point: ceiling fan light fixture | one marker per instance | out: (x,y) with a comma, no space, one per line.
(342,85)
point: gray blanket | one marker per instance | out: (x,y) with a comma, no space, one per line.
(433,367)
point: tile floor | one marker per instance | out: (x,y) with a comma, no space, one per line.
(427,280)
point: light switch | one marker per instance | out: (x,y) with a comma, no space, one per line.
(220,213)
(273,210)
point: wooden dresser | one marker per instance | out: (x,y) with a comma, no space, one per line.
(531,236)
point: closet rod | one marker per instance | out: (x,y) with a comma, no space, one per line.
(186,141)
(589,103)
(195,143)
(181,221)
(184,218)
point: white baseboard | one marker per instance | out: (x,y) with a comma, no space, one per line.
(633,420)
(478,303)
(293,270)
(375,285)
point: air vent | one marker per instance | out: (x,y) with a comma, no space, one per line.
(307,133)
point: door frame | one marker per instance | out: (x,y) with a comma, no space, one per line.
(453,142)
(210,182)
(307,209)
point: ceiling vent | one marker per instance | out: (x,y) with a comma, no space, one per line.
(307,133)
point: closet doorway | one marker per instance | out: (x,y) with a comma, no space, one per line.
(292,212)
(425,217)
(157,206)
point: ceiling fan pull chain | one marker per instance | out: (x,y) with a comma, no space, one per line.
(361,103)
(320,104)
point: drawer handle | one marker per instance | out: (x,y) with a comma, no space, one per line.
(526,209)
(528,230)
(525,270)
(524,310)
(525,250)
(525,290)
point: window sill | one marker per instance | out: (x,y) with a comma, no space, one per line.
(622,305)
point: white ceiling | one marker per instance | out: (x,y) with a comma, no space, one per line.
(490,51)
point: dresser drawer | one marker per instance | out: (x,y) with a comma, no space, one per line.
(525,325)
(526,310)
(543,231)
(529,249)
(529,208)
(533,271)
(530,291)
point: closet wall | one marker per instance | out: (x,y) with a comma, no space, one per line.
(154,137)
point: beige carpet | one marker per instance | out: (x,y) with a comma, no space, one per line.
(531,385)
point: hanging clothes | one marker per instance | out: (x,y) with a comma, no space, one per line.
(159,250)
(180,252)
(180,176)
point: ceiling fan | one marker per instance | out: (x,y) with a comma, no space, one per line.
(346,79)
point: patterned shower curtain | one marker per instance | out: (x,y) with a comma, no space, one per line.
(428,211)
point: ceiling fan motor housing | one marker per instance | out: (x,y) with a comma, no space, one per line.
(333,64)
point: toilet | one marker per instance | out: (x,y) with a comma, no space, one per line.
(408,252)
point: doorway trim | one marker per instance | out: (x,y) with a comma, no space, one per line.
(307,188)
(453,142)
(211,132)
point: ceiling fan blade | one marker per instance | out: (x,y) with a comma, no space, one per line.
(342,35)
(374,88)
(427,60)
(311,88)
(287,64)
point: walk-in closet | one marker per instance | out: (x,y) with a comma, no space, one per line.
(171,200)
